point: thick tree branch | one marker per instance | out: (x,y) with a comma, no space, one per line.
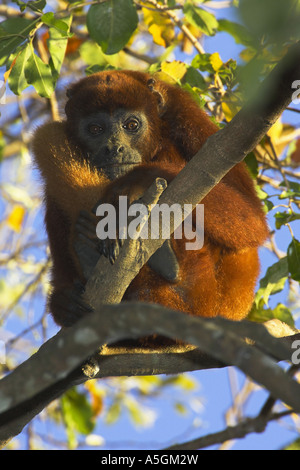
(58,363)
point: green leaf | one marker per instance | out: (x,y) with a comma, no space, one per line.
(17,80)
(274,280)
(293,190)
(112,23)
(282,218)
(261,193)
(259,314)
(201,19)
(293,256)
(240,34)
(283,313)
(203,62)
(194,78)
(252,164)
(77,414)
(13,32)
(196,94)
(34,5)
(268,205)
(50,20)
(39,75)
(57,45)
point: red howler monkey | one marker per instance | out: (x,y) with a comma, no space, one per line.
(124,129)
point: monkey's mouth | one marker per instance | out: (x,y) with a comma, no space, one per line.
(115,170)
(114,164)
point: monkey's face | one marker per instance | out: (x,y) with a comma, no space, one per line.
(114,142)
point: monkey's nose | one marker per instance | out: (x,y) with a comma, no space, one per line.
(114,150)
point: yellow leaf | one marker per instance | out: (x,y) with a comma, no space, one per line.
(171,72)
(160,27)
(276,130)
(281,135)
(230,110)
(15,218)
(216,61)
(96,397)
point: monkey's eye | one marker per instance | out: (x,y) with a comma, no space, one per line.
(132,125)
(95,129)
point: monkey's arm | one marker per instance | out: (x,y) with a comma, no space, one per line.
(68,271)
(59,232)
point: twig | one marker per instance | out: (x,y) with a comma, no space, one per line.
(248,426)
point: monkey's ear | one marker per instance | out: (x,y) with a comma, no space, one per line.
(160,99)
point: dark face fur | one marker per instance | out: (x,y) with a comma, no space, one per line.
(114,142)
(114,118)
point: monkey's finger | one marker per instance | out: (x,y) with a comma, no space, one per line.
(102,247)
(84,228)
(113,251)
(88,218)
(85,242)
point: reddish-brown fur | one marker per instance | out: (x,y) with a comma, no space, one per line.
(220,278)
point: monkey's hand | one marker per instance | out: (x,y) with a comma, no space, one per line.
(164,261)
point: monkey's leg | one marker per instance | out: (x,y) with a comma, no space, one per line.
(164,262)
(236,277)
(67,306)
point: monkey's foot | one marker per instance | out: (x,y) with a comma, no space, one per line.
(165,263)
(110,248)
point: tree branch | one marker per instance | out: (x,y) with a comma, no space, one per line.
(58,363)
(247,426)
